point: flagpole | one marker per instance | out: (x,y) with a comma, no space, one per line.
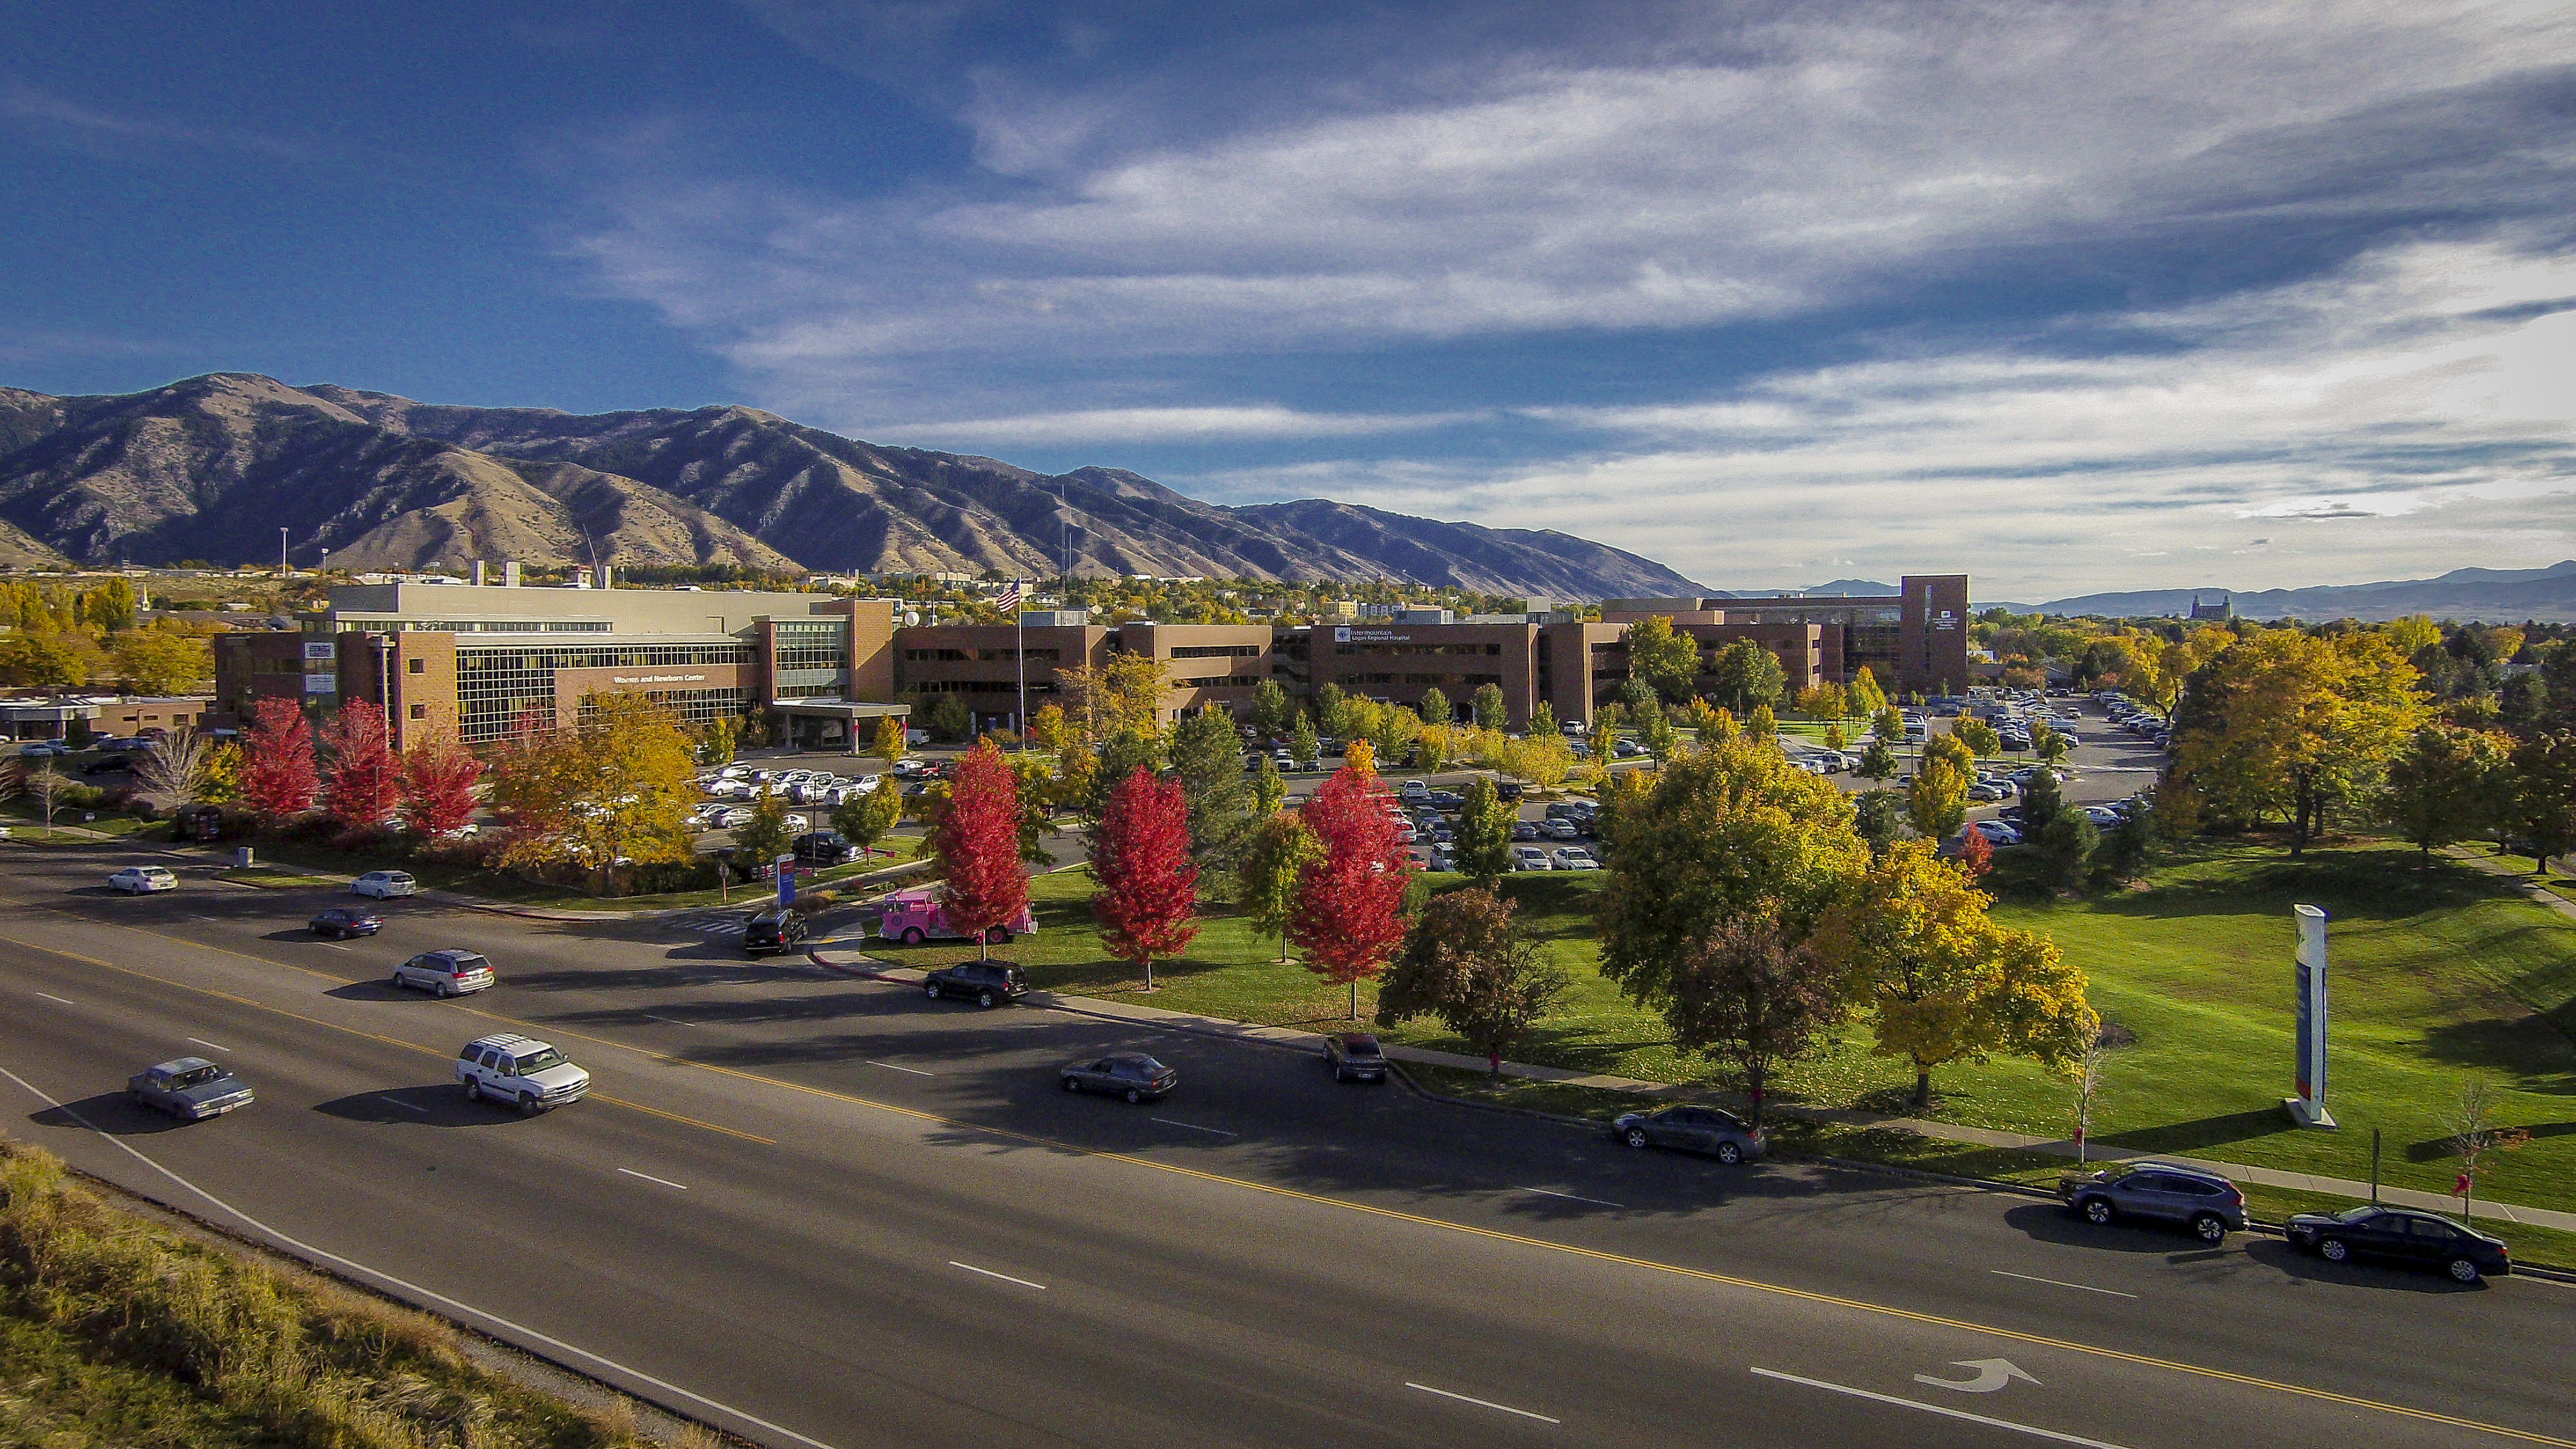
(1020,615)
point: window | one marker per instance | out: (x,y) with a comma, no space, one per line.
(417,666)
(420,711)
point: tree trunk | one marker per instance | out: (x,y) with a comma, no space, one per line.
(1922,1086)
(1753,1078)
(1355,998)
(1149,973)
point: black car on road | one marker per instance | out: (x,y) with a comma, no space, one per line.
(2407,1238)
(2194,1198)
(346,921)
(773,928)
(987,983)
(1355,1056)
(1720,1134)
(188,1088)
(1137,1078)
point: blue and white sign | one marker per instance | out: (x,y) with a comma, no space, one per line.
(2308,978)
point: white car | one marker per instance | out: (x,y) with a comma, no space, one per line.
(385,884)
(137,880)
(39,748)
(1996,832)
(730,817)
(1575,857)
(1529,857)
(519,1071)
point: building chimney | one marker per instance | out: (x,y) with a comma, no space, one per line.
(478,573)
(510,573)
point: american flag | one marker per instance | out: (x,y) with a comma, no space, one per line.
(1010,600)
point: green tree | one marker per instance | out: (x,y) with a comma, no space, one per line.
(2285,724)
(1282,846)
(1543,721)
(1835,739)
(2446,785)
(1753,998)
(1121,755)
(1484,847)
(1637,697)
(1271,710)
(1876,815)
(2131,846)
(1666,660)
(1436,708)
(1208,757)
(2544,795)
(1329,700)
(1978,736)
(160,659)
(865,818)
(1487,703)
(1762,724)
(1655,731)
(1747,674)
(1937,801)
(1866,698)
(2067,845)
(1268,788)
(1728,831)
(2041,799)
(2049,745)
(765,836)
(1939,980)
(1878,761)
(1303,746)
(946,717)
(1467,962)
(715,742)
(1887,725)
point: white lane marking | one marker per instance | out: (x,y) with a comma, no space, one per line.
(399,1102)
(2060,1283)
(210,1046)
(648,1177)
(336,946)
(1482,1403)
(1193,1126)
(989,1273)
(1570,1197)
(668,1020)
(418,1293)
(49,996)
(891,1067)
(1947,1413)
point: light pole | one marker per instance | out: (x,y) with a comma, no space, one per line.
(285,565)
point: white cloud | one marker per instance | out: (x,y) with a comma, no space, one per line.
(1169,425)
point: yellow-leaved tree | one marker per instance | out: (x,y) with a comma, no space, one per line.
(613,790)
(1939,980)
(2289,726)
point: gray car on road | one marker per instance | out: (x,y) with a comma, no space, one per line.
(189,1088)
(1720,1134)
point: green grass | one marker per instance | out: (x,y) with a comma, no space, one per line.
(2439,973)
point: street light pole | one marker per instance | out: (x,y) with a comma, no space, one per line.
(285,565)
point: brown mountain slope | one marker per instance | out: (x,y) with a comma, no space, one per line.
(210,467)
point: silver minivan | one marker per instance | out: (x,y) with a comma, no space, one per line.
(445,973)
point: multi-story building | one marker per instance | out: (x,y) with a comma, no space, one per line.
(481,660)
(991,665)
(1915,640)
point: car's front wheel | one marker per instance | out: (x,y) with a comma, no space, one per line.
(2334,1250)
(396,981)
(1635,1137)
(2099,1211)
(528,1103)
(2462,1270)
(2209,1228)
(473,1090)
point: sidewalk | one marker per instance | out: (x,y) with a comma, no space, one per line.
(1307,1041)
(2529,886)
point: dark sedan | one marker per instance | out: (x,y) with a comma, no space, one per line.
(346,921)
(2396,1235)
(1355,1056)
(190,1089)
(1722,1135)
(1136,1078)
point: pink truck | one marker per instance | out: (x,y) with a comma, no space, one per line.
(915,916)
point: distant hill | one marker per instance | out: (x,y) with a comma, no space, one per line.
(2493,594)
(211,468)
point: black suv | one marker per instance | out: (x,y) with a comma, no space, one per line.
(2412,1239)
(990,983)
(773,928)
(2189,1197)
(1355,1056)
(824,847)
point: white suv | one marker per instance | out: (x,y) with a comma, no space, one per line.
(519,1071)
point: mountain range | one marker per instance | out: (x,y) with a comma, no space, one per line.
(2496,595)
(211,468)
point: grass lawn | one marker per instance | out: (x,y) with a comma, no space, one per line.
(2437,973)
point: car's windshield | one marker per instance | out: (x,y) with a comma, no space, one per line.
(196,1076)
(539,1061)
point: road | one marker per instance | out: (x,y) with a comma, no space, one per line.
(819,1210)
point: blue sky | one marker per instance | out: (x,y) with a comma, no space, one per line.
(2069,296)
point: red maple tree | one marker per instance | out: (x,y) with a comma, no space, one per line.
(362,783)
(978,846)
(1349,913)
(1976,854)
(1148,900)
(438,779)
(278,780)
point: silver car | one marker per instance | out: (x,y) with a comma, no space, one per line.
(188,1088)
(1720,1134)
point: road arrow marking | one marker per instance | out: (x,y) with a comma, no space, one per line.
(1992,1374)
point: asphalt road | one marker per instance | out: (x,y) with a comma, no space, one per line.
(836,1213)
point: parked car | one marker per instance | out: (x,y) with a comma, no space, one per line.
(1447,800)
(774,928)
(108,765)
(2397,1235)
(188,1088)
(137,880)
(451,972)
(824,847)
(1558,830)
(35,749)
(1986,792)
(1355,1056)
(1414,791)
(1996,832)
(385,884)
(916,915)
(1574,857)
(1509,791)
(1720,1134)
(2102,816)
(989,983)
(1523,830)
(1137,1078)
(1529,857)
(346,921)
(519,1071)
(2203,1202)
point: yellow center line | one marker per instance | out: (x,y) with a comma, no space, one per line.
(1392,1214)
